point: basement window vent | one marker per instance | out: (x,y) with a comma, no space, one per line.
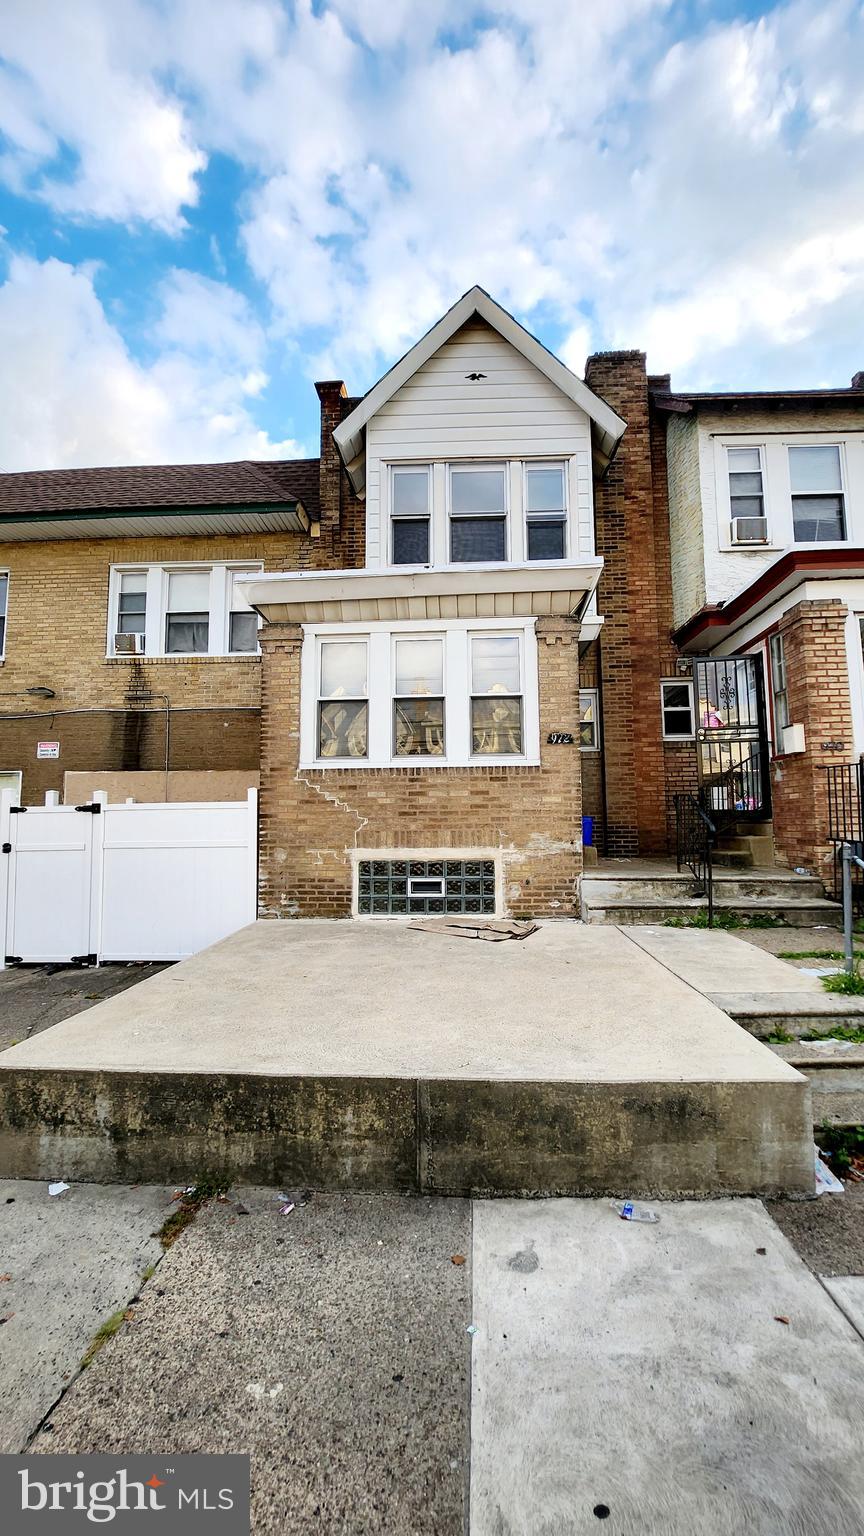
(408,888)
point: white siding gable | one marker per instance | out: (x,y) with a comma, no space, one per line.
(440,415)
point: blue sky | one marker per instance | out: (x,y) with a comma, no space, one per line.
(207,204)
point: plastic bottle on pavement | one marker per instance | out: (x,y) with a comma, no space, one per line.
(630,1212)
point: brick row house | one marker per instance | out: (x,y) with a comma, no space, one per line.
(504,607)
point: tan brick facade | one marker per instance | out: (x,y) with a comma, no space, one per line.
(313,822)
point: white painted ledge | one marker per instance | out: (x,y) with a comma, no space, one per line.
(455,592)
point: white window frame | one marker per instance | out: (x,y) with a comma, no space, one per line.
(457,693)
(820,441)
(5,616)
(594,695)
(677,682)
(12,773)
(776,646)
(221,574)
(417,757)
(478,466)
(562,464)
(418,467)
(759,449)
(341,639)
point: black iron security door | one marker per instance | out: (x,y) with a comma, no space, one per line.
(732,738)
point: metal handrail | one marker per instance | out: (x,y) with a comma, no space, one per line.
(743,770)
(694,839)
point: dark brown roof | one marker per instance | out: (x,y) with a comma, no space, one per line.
(680,401)
(243,483)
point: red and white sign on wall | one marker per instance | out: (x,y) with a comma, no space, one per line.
(47,749)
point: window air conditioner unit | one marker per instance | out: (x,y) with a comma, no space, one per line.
(749,530)
(129,645)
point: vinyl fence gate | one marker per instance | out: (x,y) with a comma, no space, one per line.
(84,883)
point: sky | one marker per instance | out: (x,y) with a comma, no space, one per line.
(205,205)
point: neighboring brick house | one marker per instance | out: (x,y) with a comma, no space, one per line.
(491,564)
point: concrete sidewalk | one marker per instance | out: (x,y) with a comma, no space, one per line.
(638,1370)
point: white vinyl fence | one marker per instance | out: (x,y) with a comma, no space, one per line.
(124,882)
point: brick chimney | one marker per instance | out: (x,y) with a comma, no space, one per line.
(331,393)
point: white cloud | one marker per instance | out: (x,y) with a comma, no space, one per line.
(73,395)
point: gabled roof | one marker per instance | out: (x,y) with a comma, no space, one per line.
(243,483)
(608,427)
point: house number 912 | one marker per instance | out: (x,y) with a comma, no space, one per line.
(560,739)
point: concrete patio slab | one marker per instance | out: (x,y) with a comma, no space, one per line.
(848,1292)
(685,1377)
(360,1055)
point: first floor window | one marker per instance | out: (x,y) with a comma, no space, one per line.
(676,702)
(187,620)
(816,481)
(342,699)
(4,594)
(418,705)
(589,720)
(410,514)
(545,511)
(132,603)
(496,695)
(478,513)
(779,695)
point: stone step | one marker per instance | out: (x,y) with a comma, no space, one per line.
(724,859)
(759,849)
(765,1013)
(795,914)
(836,1078)
(602,889)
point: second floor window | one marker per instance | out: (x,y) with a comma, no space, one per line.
(545,512)
(478,513)
(746,489)
(181,610)
(4,593)
(410,515)
(187,620)
(815,477)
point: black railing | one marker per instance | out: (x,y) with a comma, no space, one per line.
(694,839)
(846,821)
(735,791)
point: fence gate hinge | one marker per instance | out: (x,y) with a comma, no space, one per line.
(13,960)
(94,809)
(82,959)
(7,847)
(17,810)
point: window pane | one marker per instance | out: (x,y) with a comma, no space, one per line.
(747,506)
(4,588)
(237,601)
(189,592)
(2,632)
(419,727)
(587,720)
(187,633)
(477,490)
(587,734)
(815,469)
(743,461)
(419,666)
(544,490)
(410,491)
(676,696)
(495,664)
(677,722)
(343,669)
(545,539)
(817,518)
(342,729)
(243,635)
(411,541)
(745,485)
(496,725)
(480,538)
(133,581)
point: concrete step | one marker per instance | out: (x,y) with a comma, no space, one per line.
(795,914)
(836,1078)
(759,849)
(602,889)
(765,1013)
(724,859)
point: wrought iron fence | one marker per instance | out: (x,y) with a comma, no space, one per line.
(694,839)
(846,821)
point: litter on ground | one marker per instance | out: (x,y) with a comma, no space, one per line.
(491,928)
(826,1182)
(59,1188)
(630,1212)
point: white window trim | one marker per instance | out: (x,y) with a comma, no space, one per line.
(12,773)
(594,695)
(777,486)
(774,641)
(5,614)
(391,518)
(564,466)
(457,696)
(822,440)
(478,466)
(677,682)
(219,608)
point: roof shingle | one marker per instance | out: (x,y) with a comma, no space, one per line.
(243,483)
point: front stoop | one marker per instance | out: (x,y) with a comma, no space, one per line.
(629,897)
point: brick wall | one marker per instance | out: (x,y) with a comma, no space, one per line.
(817,678)
(631,516)
(312,822)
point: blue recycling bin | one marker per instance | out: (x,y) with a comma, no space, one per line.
(587,831)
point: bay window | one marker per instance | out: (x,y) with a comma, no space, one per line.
(342,703)
(545,511)
(816,481)
(478,513)
(496,695)
(410,515)
(398,693)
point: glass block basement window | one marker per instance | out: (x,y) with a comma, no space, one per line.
(406,887)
